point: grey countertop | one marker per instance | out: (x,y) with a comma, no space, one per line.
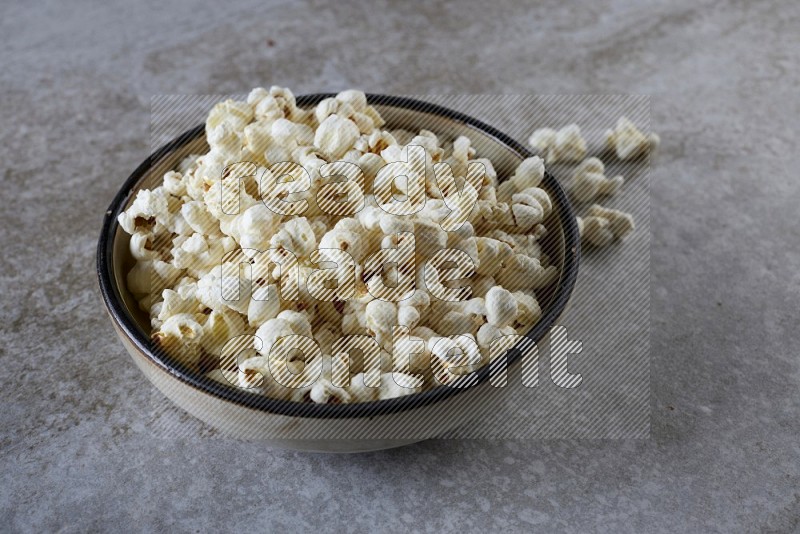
(87,444)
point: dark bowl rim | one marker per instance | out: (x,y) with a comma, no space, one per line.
(124,320)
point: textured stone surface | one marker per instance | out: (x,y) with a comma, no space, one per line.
(79,447)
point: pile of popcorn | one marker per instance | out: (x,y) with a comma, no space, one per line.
(287,192)
(600,226)
(392,261)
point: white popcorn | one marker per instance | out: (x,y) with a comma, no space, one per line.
(268,109)
(336,135)
(200,290)
(219,328)
(182,326)
(455,322)
(256,225)
(174,184)
(297,236)
(151,276)
(264,305)
(604,225)
(527,211)
(231,112)
(197,254)
(475,309)
(323,392)
(523,272)
(589,181)
(289,134)
(565,144)
(529,173)
(373,114)
(270,332)
(398,385)
(370,164)
(486,334)
(141,246)
(481,284)
(286,102)
(356,99)
(341,239)
(457,355)
(146,208)
(628,142)
(325,109)
(297,321)
(225,144)
(219,288)
(528,310)
(491,255)
(256,95)
(198,217)
(359,391)
(380,316)
(542,138)
(174,304)
(501,307)
(408,316)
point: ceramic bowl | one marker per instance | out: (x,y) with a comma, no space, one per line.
(327,427)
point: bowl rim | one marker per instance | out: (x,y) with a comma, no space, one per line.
(125,322)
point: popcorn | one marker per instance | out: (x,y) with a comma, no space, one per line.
(356,99)
(528,310)
(398,385)
(297,321)
(359,392)
(529,173)
(141,246)
(527,211)
(492,253)
(198,217)
(343,239)
(628,142)
(522,272)
(589,181)
(295,235)
(323,392)
(174,184)
(151,276)
(336,135)
(265,305)
(489,332)
(256,225)
(270,332)
(456,355)
(565,144)
(501,307)
(379,317)
(604,225)
(247,241)
(145,210)
(231,112)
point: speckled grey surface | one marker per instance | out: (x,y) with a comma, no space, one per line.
(77,445)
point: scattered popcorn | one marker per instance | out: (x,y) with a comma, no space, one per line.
(589,181)
(628,142)
(599,227)
(565,144)
(271,237)
(603,225)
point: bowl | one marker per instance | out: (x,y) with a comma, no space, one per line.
(328,427)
